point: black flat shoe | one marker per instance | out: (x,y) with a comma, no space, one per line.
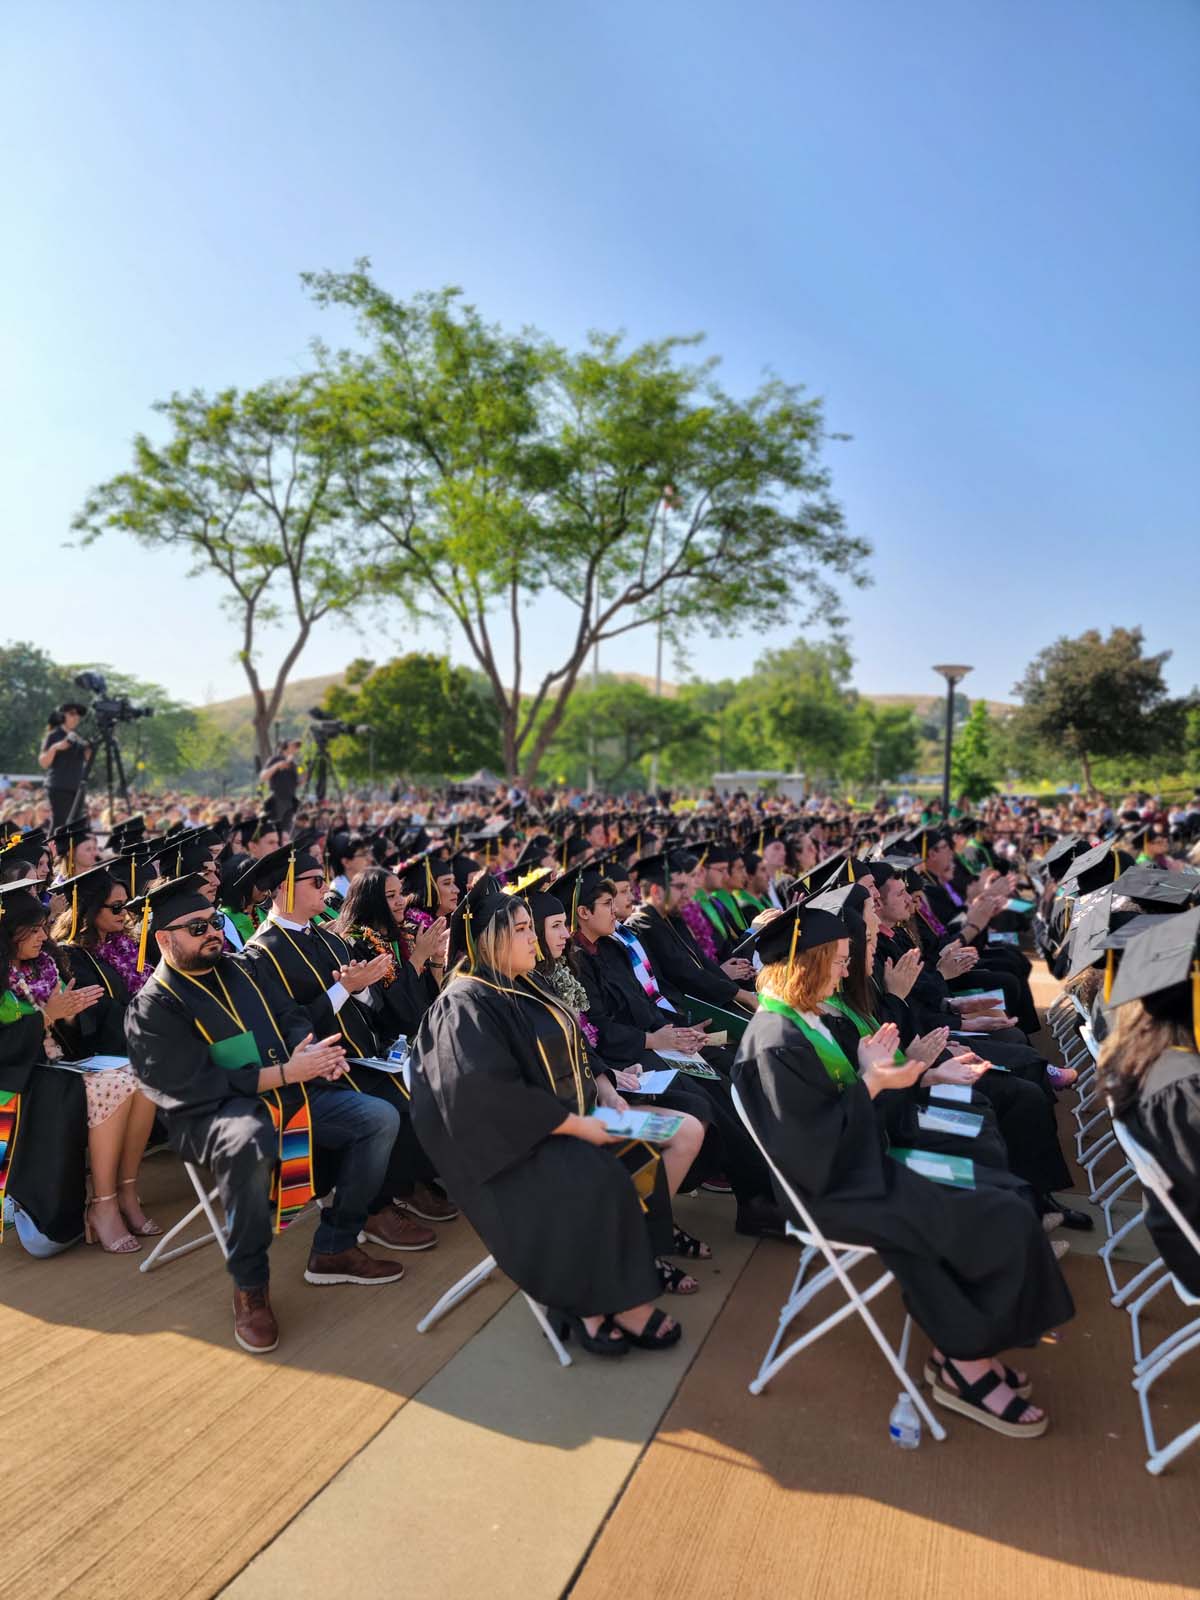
(1079,1220)
(601,1343)
(648,1338)
(758,1217)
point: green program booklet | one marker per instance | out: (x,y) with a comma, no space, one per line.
(655,1127)
(956,1172)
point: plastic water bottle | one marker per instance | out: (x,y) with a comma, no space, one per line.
(904,1424)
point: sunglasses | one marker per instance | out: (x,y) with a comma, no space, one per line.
(113,905)
(197,927)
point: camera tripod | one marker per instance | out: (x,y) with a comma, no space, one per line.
(114,770)
(320,769)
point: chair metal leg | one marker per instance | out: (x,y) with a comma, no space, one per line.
(160,1255)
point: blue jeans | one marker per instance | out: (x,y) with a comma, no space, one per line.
(239,1147)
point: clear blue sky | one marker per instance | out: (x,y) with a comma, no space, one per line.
(972,227)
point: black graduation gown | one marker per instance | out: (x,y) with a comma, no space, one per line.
(679,965)
(1166,1120)
(496,1068)
(46,1176)
(974,1265)
(100,1030)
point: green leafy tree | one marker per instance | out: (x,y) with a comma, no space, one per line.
(887,743)
(1094,697)
(502,468)
(728,733)
(244,487)
(428,719)
(31,686)
(622,723)
(807,706)
(973,761)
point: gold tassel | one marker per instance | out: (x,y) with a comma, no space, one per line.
(850,868)
(432,899)
(1116,863)
(762,833)
(467,936)
(74,913)
(290,902)
(132,877)
(1110,967)
(795,937)
(1196,1003)
(924,848)
(143,937)
(71,858)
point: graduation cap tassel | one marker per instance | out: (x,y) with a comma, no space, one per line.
(431,902)
(143,937)
(132,876)
(792,947)
(1116,855)
(290,903)
(850,868)
(74,913)
(924,848)
(1109,968)
(467,936)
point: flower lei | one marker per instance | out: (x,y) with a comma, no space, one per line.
(569,990)
(381,948)
(34,986)
(120,951)
(701,929)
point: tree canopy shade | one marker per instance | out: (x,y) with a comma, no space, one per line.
(33,686)
(613,728)
(428,719)
(1097,697)
(245,485)
(501,466)
(974,761)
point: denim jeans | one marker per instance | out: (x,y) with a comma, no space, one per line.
(364,1130)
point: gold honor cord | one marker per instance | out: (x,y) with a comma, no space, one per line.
(228,1006)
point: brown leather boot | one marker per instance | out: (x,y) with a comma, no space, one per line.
(254,1325)
(394,1231)
(351,1266)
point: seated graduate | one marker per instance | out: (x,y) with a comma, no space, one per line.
(319,971)
(657,923)
(43,1112)
(97,949)
(371,924)
(973,1263)
(249,1094)
(679,1153)
(501,1094)
(349,854)
(633,1021)
(240,900)
(1150,1066)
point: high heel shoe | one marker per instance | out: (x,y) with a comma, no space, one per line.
(601,1343)
(124,1246)
(148,1229)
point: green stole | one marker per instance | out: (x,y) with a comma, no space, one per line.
(242,921)
(966,865)
(750,902)
(731,905)
(705,901)
(833,1058)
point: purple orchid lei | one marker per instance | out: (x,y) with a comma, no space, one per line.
(120,951)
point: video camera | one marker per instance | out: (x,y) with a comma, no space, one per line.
(324,728)
(109,711)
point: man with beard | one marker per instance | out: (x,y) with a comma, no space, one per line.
(244,1088)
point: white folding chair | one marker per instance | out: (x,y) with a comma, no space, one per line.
(1149,1368)
(471,1281)
(160,1255)
(840,1260)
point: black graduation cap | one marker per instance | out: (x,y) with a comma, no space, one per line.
(1060,855)
(420,874)
(825,872)
(166,903)
(1090,930)
(127,831)
(1163,959)
(87,890)
(284,865)
(1101,865)
(1158,890)
(848,897)
(237,880)
(536,848)
(801,927)
(654,869)
(471,916)
(29,842)
(571,886)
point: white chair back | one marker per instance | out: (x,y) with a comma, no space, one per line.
(1154,1179)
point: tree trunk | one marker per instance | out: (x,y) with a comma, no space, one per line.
(1088,786)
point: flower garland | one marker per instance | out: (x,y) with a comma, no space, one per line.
(701,929)
(121,952)
(34,985)
(569,990)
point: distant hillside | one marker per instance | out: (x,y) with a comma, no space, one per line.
(925,704)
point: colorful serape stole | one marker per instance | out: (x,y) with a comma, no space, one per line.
(292,1181)
(10,1121)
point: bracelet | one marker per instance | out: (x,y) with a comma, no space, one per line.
(282,1075)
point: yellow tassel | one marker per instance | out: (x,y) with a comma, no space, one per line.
(1196,1003)
(924,847)
(290,903)
(850,868)
(71,859)
(132,877)
(74,913)
(432,901)
(762,833)
(143,937)
(1116,863)
(795,937)
(467,936)
(1110,966)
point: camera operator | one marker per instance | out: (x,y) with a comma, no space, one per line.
(282,776)
(63,756)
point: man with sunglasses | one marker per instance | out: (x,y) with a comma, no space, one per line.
(232,1063)
(340,995)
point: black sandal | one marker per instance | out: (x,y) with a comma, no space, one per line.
(933,1372)
(694,1249)
(601,1343)
(967,1399)
(647,1339)
(673,1278)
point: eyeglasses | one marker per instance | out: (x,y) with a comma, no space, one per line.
(113,905)
(317,879)
(197,927)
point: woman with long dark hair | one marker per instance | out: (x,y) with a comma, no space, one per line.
(43,1112)
(973,1263)
(96,947)
(501,1092)
(371,921)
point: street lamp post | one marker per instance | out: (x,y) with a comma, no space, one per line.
(952,675)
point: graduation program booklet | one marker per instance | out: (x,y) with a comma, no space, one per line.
(944,1119)
(93,1064)
(956,1172)
(655,1127)
(655,1082)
